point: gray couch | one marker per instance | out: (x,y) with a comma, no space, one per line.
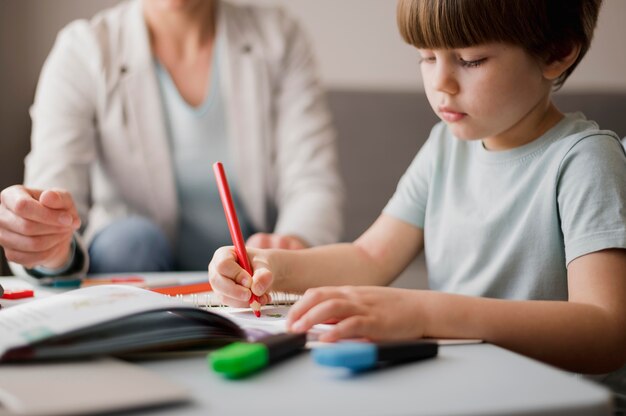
(380,132)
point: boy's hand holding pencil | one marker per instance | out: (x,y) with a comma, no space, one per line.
(234,284)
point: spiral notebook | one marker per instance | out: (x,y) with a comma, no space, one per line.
(211,300)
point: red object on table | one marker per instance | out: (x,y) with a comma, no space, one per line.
(184,289)
(17,294)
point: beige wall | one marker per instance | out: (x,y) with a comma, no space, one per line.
(359,47)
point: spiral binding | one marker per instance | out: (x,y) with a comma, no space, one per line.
(210,300)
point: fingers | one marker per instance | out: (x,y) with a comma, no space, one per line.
(35,193)
(294,243)
(259,240)
(310,298)
(262,281)
(33,234)
(321,305)
(33,244)
(224,263)
(232,302)
(52,258)
(228,278)
(351,327)
(60,199)
(264,240)
(23,203)
(237,303)
(230,290)
(10,221)
(339,304)
(233,284)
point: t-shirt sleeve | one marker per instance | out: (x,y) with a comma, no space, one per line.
(592,196)
(409,201)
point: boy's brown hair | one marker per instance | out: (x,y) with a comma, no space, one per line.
(547,29)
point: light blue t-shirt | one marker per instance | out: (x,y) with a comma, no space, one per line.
(505,224)
(198,138)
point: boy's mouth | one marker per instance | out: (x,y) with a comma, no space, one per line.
(450,115)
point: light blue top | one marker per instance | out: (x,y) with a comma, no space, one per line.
(198,138)
(505,224)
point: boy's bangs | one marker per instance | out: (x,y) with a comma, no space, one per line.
(444,24)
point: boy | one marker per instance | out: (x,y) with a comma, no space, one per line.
(521,209)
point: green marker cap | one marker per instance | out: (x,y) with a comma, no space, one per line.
(239,359)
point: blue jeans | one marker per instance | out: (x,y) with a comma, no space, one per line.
(132,244)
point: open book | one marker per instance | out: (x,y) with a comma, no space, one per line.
(109,320)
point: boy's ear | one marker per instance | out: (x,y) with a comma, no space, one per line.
(554,69)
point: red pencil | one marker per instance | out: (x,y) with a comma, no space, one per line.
(235,230)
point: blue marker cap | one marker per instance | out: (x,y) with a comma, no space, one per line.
(358,356)
(353,355)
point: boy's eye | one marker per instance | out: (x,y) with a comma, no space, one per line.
(427,59)
(472,64)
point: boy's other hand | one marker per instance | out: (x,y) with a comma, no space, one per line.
(374,313)
(36,227)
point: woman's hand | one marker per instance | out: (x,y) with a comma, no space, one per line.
(375,313)
(264,240)
(37,227)
(233,284)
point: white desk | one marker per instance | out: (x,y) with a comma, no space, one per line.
(478,379)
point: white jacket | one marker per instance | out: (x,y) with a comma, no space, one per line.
(99,128)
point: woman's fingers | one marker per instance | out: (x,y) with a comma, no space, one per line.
(259,240)
(60,199)
(31,234)
(10,221)
(56,254)
(266,240)
(32,244)
(21,202)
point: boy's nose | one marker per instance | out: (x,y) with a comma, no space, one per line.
(444,80)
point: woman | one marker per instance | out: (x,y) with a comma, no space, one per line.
(131,110)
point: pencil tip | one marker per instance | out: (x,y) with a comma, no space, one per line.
(256,308)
